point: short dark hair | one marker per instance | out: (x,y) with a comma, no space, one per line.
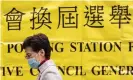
(37,42)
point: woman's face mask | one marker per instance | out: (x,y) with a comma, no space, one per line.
(33,63)
(33,58)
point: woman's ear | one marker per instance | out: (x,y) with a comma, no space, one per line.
(42,52)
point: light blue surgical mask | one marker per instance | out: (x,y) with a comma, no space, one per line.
(33,63)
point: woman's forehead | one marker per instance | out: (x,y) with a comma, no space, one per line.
(28,49)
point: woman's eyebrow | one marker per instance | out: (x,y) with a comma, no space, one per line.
(28,53)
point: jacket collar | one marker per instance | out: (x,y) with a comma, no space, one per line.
(45,65)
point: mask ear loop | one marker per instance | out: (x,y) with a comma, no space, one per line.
(36,55)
